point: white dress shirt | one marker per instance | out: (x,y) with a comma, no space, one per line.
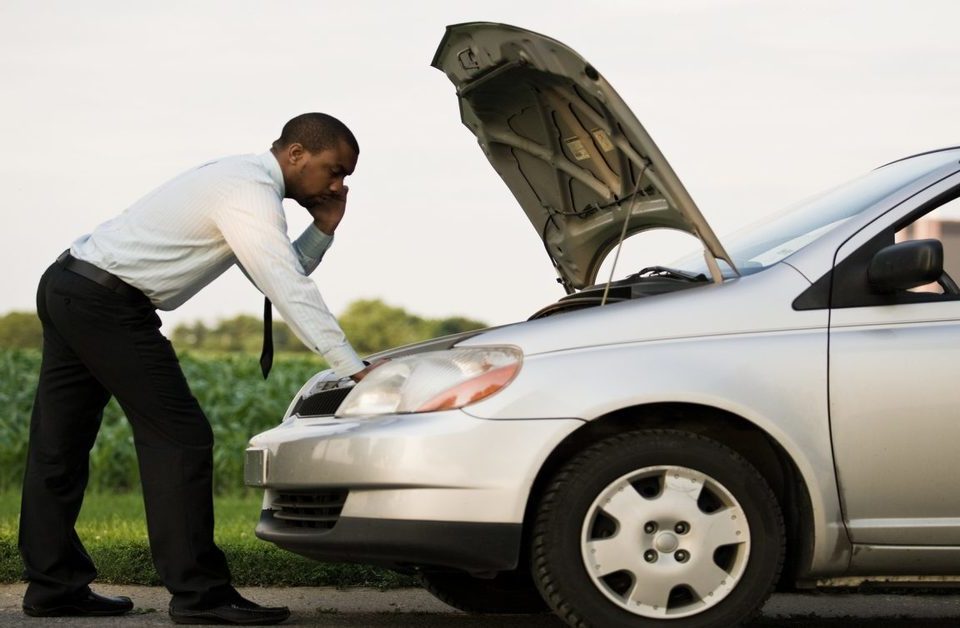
(184,234)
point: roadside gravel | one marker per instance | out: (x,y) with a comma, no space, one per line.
(329,607)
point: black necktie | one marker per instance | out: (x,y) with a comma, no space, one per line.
(266,356)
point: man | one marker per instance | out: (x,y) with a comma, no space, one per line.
(101,337)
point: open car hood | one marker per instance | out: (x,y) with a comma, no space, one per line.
(567,146)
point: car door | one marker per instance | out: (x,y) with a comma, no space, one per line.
(894,377)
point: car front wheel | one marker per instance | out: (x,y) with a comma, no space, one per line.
(657,528)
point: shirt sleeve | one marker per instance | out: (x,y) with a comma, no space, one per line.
(310,247)
(253,225)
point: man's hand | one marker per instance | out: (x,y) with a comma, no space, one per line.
(328,213)
(359,376)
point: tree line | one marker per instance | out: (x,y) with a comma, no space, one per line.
(370,324)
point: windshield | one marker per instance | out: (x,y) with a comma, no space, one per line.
(767,242)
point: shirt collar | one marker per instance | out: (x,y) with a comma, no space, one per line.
(269,161)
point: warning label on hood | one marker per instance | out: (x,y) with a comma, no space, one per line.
(603,140)
(575,144)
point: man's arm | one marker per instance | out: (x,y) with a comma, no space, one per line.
(310,247)
(318,237)
(253,226)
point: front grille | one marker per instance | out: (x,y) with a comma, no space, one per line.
(319,510)
(324,403)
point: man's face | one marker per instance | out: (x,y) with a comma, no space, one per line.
(314,177)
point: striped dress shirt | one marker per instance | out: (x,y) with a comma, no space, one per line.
(187,232)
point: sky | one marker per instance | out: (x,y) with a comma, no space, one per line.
(756,104)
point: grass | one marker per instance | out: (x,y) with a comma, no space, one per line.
(113,529)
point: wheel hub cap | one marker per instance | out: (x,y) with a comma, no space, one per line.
(666,574)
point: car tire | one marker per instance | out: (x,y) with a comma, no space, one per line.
(509,593)
(657,528)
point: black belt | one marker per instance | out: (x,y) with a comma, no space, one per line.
(98,275)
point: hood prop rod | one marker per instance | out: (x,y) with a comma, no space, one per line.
(623,232)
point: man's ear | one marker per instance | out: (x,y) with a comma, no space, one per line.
(295,152)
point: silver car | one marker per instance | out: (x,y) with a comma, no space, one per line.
(666,449)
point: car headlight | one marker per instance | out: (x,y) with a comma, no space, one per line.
(436,380)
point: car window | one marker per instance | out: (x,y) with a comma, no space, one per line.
(849,285)
(943,224)
(765,243)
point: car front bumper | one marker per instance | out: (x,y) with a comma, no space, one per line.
(439,489)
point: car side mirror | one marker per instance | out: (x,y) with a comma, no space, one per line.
(906,265)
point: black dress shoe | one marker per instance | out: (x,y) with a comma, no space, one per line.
(90,604)
(241,612)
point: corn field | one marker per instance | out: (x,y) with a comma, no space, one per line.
(236,399)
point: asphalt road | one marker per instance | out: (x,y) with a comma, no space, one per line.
(327,607)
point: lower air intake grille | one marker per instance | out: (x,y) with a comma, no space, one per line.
(317,510)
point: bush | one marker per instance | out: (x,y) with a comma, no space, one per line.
(20,330)
(228,384)
(231,390)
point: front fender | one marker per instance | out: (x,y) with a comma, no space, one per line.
(775,380)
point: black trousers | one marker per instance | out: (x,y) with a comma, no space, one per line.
(98,343)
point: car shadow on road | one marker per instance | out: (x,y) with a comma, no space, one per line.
(433,620)
(851,622)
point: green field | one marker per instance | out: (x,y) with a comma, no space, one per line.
(236,399)
(114,532)
(239,404)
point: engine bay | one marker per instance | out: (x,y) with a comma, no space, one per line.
(648,282)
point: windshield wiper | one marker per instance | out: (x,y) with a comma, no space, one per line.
(672,273)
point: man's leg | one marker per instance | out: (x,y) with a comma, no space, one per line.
(175,456)
(119,339)
(67,411)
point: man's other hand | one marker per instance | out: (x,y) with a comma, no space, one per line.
(328,212)
(361,374)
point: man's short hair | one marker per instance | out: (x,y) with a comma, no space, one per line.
(315,132)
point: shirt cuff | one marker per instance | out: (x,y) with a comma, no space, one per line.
(313,243)
(344,360)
